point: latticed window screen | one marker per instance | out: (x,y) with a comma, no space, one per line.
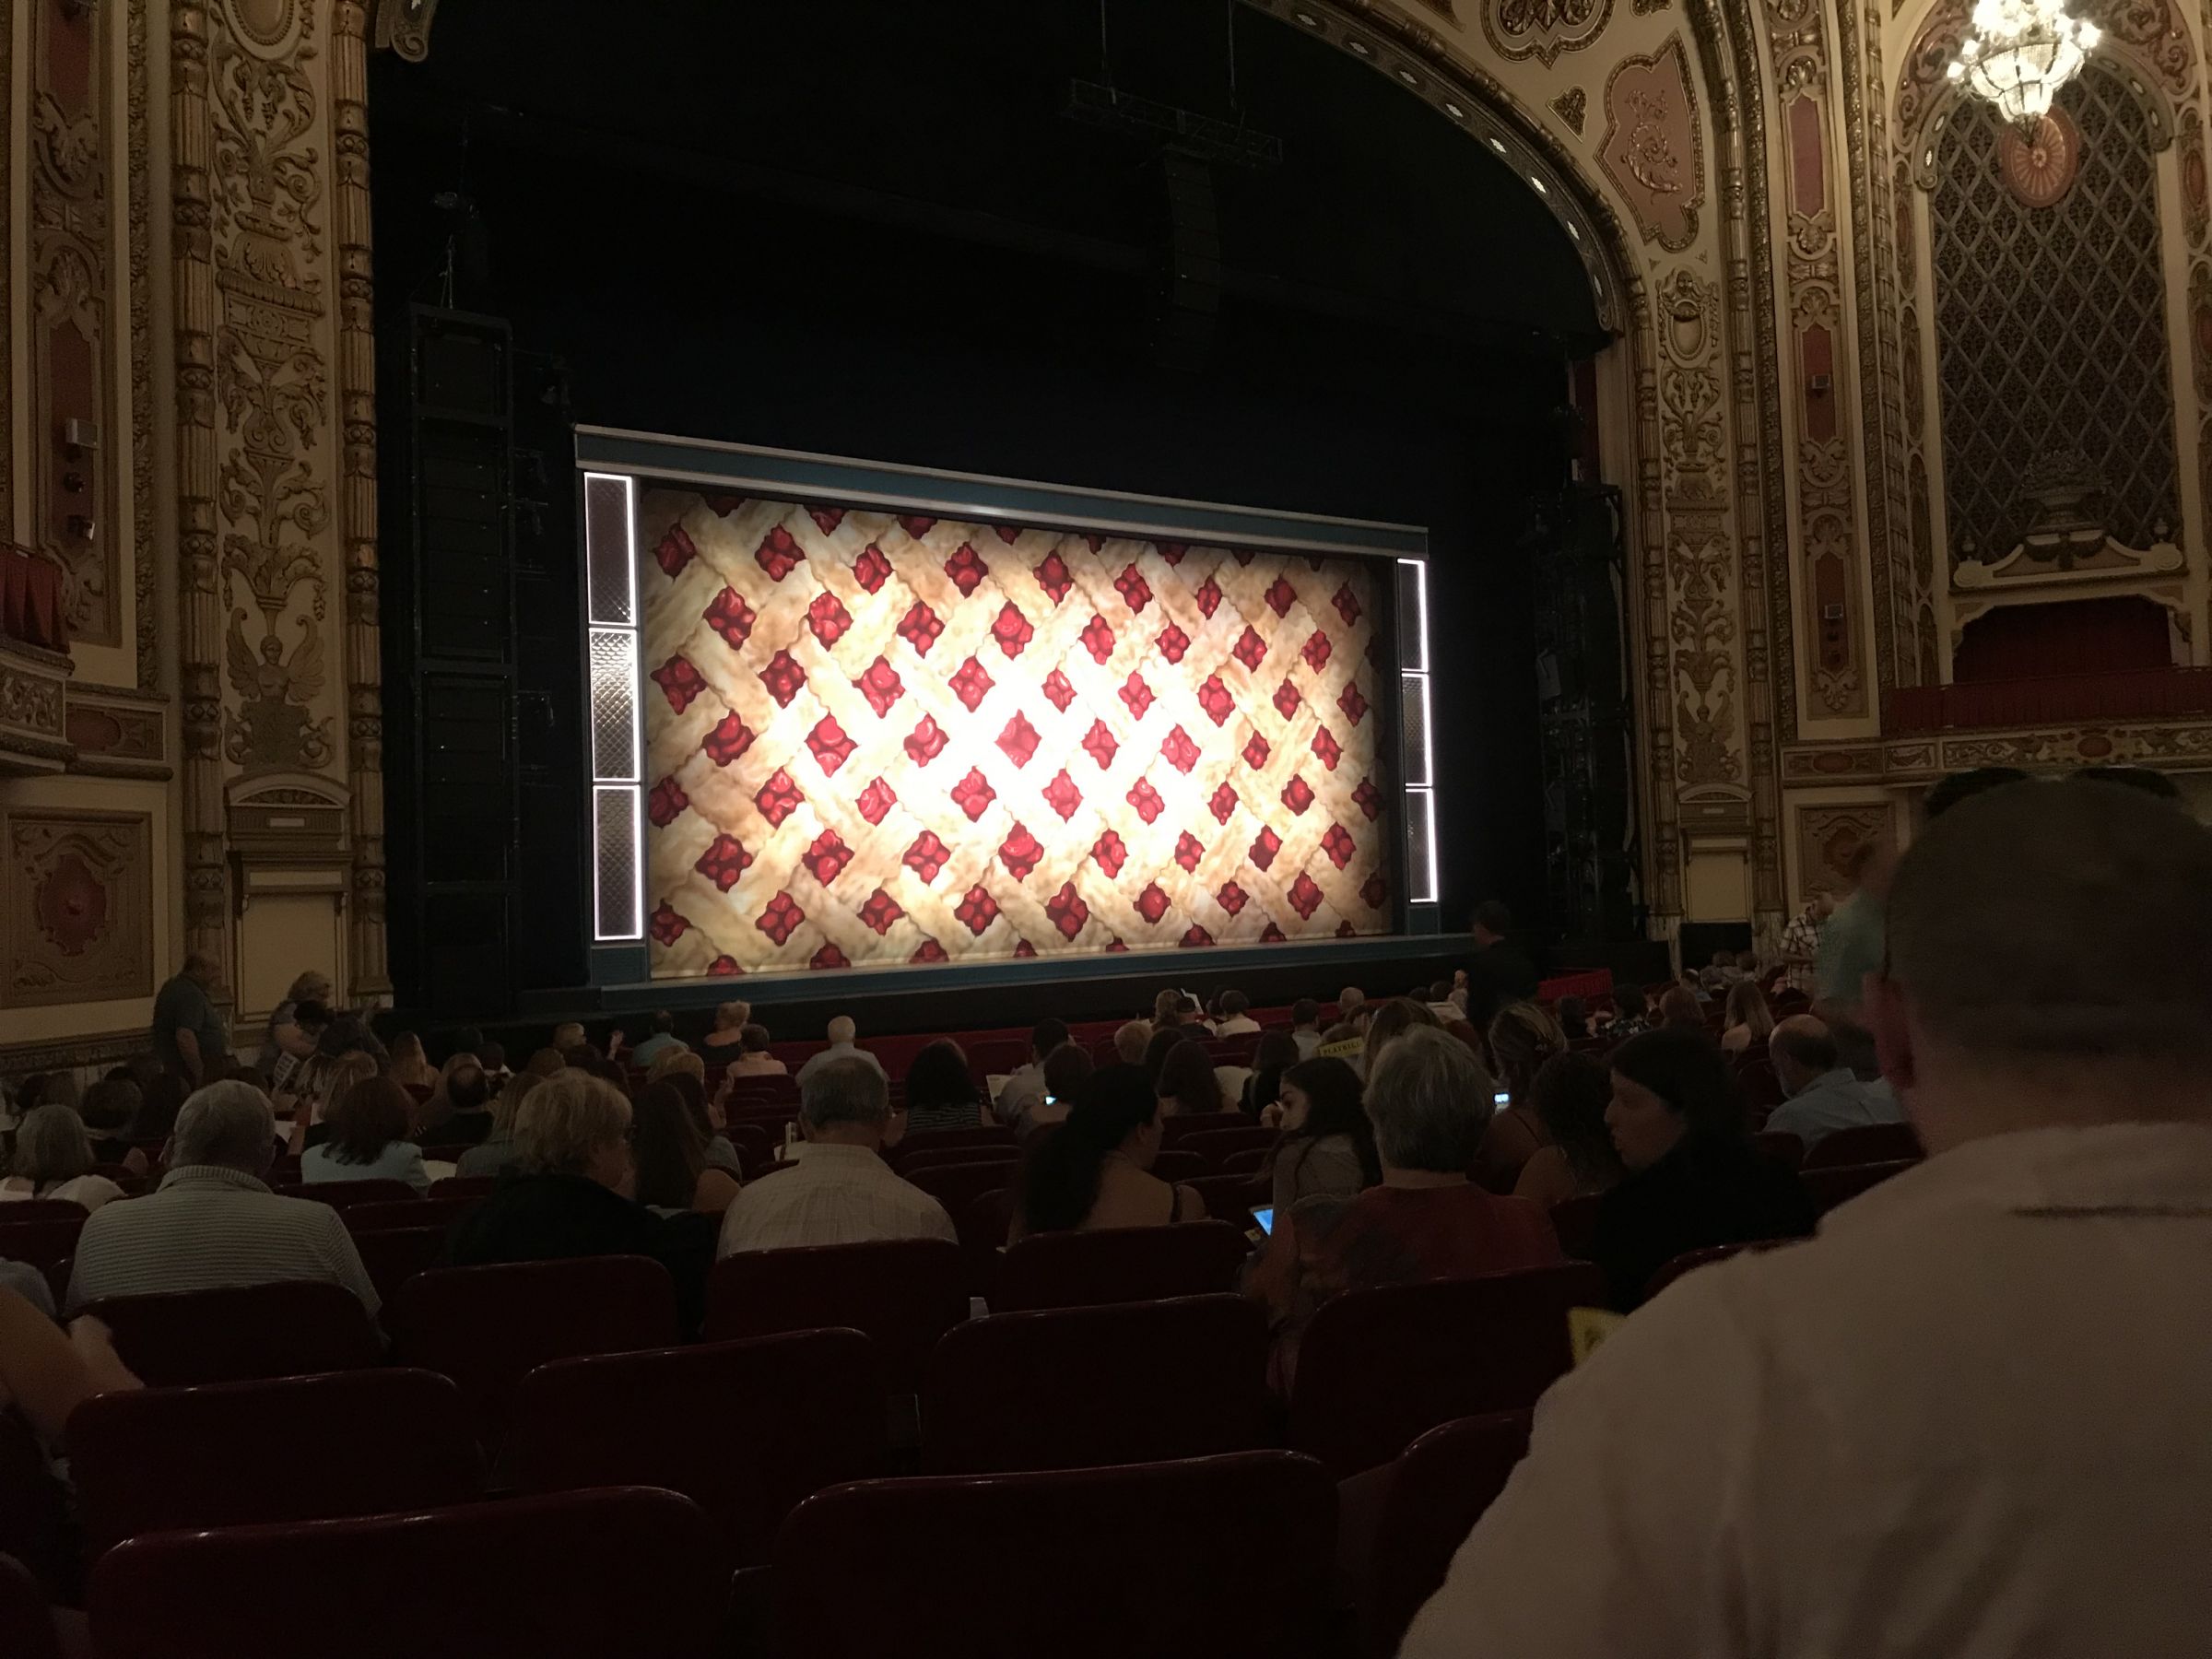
(2051,325)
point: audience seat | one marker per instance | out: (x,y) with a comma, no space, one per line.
(35,1526)
(993,1136)
(1763,1088)
(1175,1164)
(1217,1558)
(1781,1145)
(394,1254)
(745,1429)
(1868,1144)
(17,1212)
(1214,1145)
(1838,1183)
(1689,1260)
(1076,1387)
(42,1243)
(1249,1160)
(957,1185)
(407,1212)
(488,1327)
(356,1442)
(241,1332)
(1378,1368)
(755,1147)
(983,1226)
(463,1186)
(1439,1487)
(623,1570)
(26,1624)
(344,1194)
(1231,1198)
(903,1294)
(1118,1265)
(1575,1221)
(1173,1128)
(1000,1151)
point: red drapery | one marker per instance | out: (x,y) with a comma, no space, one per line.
(2075,636)
(31,601)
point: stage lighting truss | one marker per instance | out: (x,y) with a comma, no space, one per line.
(617,737)
(1420,758)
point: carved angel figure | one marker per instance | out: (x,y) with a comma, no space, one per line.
(272,726)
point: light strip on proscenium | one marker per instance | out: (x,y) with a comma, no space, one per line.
(635,928)
(1420,682)
(1420,603)
(629,486)
(1426,798)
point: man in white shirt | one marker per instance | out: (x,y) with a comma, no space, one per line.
(1024,1091)
(842,1192)
(1305,1027)
(1825,1094)
(1235,1018)
(842,1047)
(1967,1420)
(212,1221)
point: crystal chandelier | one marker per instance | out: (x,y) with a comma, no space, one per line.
(2018,54)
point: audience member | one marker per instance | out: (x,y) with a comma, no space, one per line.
(339,1032)
(1679,1007)
(1694,1179)
(411,1066)
(842,1192)
(1824,1095)
(495,1154)
(1949,1424)
(284,1046)
(731,1019)
(46,1373)
(1801,944)
(1720,974)
(1632,1012)
(1193,1014)
(1748,1021)
(2147,778)
(569,1034)
(940,1091)
(1164,1040)
(1305,1027)
(1236,1018)
(1274,1054)
(1167,1009)
(212,1221)
(1574,1019)
(493,1054)
(1020,1093)
(842,1046)
(573,1194)
(1328,1145)
(1349,1001)
(1390,1022)
(1947,792)
(1851,943)
(1498,974)
(1570,1094)
(1133,1042)
(663,1039)
(368,1139)
(1428,1098)
(753,1059)
(1188,1085)
(1066,1069)
(707,1117)
(458,1112)
(1094,1171)
(545,1062)
(324,1079)
(111,1107)
(673,1062)
(673,1173)
(1522,1037)
(187,1031)
(54,1159)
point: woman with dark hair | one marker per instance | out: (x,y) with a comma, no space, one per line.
(367,1138)
(1275,1053)
(673,1173)
(1749,1022)
(1328,1145)
(1522,1037)
(1574,1019)
(1694,1178)
(1188,1085)
(1066,1069)
(1391,1021)
(1570,1094)
(940,1091)
(708,1119)
(1162,1043)
(111,1106)
(1094,1171)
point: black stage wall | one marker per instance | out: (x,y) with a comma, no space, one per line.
(679,292)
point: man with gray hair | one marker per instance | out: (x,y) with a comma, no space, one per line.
(842,1192)
(212,1221)
(844,1045)
(1968,1419)
(1825,1094)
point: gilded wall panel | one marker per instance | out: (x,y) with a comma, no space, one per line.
(79,906)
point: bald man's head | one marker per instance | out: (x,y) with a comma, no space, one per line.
(2054,937)
(1802,1049)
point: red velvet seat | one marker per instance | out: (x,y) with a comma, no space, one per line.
(1214,1145)
(1249,1160)
(41,1243)
(625,1570)
(1439,1487)
(487,1327)
(1175,1163)
(1836,1184)
(746,1429)
(241,1332)
(407,1212)
(903,1294)
(14,1212)
(1690,1260)
(1073,1387)
(1378,1368)
(34,1511)
(1866,1144)
(1175,1127)
(344,1194)
(26,1624)
(1117,1265)
(463,1186)
(1000,1149)
(1231,1198)
(1217,1558)
(982,1227)
(957,1185)
(361,1443)
(1575,1221)
(1781,1145)
(394,1254)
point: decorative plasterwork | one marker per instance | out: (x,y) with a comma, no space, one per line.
(117,731)
(1543,28)
(80,908)
(1571,107)
(145,561)
(1653,149)
(404,25)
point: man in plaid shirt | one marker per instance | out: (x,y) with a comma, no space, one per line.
(1801,942)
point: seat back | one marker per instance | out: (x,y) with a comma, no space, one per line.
(1231,1198)
(406,1212)
(1866,1144)
(1000,1151)
(241,1332)
(40,1242)
(991,1137)
(1235,1563)
(1840,1183)
(345,1194)
(25,1625)
(1378,1368)
(394,1254)
(626,1570)
(1175,1164)
(1690,1260)
(463,1186)
(1439,1488)
(1175,1129)
(13,1211)
(1781,1145)
(358,1443)
(1575,1221)
(745,1429)
(487,1327)
(1214,1145)
(957,1185)
(1246,1161)
(34,1511)
(1118,1265)
(902,1293)
(1136,1382)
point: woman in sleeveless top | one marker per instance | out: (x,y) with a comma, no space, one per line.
(1094,1171)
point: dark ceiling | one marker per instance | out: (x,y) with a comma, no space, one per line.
(944,119)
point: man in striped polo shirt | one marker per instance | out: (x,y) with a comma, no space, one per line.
(212,1221)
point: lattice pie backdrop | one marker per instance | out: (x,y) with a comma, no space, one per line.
(882,738)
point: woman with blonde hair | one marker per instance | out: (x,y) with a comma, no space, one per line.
(670,1061)
(1750,1021)
(320,1082)
(1523,1036)
(411,1068)
(54,1159)
(730,1020)
(495,1154)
